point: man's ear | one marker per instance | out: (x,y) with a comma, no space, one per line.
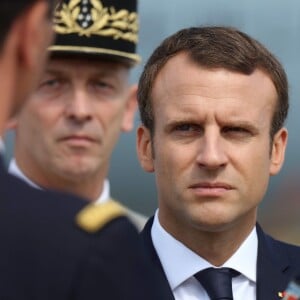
(36,34)
(145,149)
(130,109)
(278,150)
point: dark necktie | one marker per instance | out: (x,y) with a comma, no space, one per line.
(217,282)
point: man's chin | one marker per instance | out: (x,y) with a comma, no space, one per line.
(78,174)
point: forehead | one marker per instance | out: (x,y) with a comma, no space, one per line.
(183,90)
(181,80)
(78,65)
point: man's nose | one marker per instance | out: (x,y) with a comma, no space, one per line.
(79,107)
(212,150)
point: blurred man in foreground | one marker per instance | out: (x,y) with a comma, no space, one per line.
(54,246)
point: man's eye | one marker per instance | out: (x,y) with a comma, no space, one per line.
(184,127)
(103,85)
(188,128)
(236,131)
(50,83)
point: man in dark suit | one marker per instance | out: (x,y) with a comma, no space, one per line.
(213,102)
(54,246)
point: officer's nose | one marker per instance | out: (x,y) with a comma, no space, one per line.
(79,107)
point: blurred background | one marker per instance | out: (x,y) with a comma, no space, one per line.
(275,23)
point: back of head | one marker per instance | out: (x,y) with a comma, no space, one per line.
(215,47)
(10,10)
(97,29)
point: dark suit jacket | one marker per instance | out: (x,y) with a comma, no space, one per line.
(45,255)
(277,263)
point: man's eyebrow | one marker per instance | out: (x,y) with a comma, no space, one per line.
(243,124)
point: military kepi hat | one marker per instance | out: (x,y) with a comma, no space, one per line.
(107,28)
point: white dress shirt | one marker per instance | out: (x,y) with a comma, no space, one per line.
(180,264)
(14,169)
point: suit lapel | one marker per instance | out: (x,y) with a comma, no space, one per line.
(151,252)
(273,271)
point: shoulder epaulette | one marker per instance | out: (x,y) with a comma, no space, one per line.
(94,216)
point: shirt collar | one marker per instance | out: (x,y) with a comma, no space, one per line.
(244,259)
(105,195)
(15,170)
(182,263)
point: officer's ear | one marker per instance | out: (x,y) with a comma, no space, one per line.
(130,109)
(145,149)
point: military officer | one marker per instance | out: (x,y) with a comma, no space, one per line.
(83,102)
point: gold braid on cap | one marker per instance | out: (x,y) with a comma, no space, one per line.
(77,17)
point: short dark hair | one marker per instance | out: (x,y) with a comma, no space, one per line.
(10,10)
(215,47)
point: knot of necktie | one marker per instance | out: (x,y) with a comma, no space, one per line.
(217,282)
